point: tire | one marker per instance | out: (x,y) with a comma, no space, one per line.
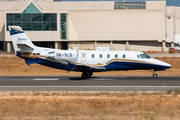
(154,75)
(90,74)
(83,76)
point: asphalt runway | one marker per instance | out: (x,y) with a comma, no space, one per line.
(96,83)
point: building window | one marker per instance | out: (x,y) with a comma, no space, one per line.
(63,26)
(33,21)
(108,55)
(116,56)
(130,5)
(100,55)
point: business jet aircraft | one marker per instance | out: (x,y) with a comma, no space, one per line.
(85,61)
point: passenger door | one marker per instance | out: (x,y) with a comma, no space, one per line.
(83,57)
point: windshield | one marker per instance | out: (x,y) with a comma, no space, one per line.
(145,56)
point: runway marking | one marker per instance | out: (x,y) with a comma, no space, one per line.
(96,86)
(102,79)
(107,79)
(46,79)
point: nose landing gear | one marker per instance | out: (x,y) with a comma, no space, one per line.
(154,74)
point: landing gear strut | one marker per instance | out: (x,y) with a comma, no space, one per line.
(86,74)
(154,74)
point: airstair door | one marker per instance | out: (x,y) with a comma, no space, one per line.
(83,56)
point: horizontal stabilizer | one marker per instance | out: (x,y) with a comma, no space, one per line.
(24,47)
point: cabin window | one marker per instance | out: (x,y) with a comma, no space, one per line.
(36,53)
(108,55)
(116,56)
(124,56)
(83,55)
(138,56)
(93,55)
(100,55)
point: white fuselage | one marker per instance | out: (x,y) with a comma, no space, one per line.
(96,57)
(85,61)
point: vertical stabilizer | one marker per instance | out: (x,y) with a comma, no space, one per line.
(19,39)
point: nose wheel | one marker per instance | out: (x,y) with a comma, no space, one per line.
(154,74)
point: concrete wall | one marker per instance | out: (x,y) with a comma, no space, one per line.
(38,35)
(77,5)
(13,6)
(117,25)
(177,20)
(2,26)
(145,46)
(156,5)
(117,45)
(82,45)
(133,45)
(170,18)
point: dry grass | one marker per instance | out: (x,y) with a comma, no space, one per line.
(89,106)
(17,66)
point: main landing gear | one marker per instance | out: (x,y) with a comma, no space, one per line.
(154,74)
(86,74)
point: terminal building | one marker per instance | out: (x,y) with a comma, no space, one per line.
(87,25)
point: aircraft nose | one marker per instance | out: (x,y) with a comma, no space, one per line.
(163,64)
(167,65)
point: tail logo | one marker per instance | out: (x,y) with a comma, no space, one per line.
(20,39)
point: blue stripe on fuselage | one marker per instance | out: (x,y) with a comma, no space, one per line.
(119,65)
(48,63)
(116,65)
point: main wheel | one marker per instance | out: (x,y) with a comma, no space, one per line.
(83,76)
(90,74)
(154,75)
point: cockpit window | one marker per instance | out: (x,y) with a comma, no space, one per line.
(145,56)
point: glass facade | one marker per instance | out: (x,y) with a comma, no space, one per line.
(31,9)
(33,21)
(63,17)
(130,5)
